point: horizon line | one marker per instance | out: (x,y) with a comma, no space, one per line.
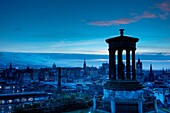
(137,53)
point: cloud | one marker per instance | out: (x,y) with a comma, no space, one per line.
(163,16)
(146,15)
(135,18)
(101,23)
(124,21)
(164,6)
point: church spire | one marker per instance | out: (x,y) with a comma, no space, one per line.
(10,67)
(151,74)
(54,65)
(150,68)
(84,65)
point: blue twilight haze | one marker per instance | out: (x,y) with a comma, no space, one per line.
(81,26)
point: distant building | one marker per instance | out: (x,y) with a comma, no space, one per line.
(7,88)
(151,74)
(139,71)
(104,69)
(9,101)
(35,76)
(25,79)
(54,66)
(79,87)
(10,67)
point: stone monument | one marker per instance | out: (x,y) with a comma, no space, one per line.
(122,89)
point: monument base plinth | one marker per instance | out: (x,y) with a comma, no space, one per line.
(126,94)
(121,85)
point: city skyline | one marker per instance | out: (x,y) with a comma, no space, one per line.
(82,26)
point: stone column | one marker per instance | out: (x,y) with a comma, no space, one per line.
(155,105)
(128,64)
(110,63)
(113,105)
(120,76)
(114,65)
(94,102)
(140,106)
(133,65)
(113,102)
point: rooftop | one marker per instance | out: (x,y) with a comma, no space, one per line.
(122,38)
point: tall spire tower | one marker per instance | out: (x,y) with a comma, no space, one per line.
(84,64)
(10,67)
(150,68)
(151,74)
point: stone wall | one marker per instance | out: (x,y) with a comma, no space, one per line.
(122,95)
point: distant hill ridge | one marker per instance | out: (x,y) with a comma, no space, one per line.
(74,60)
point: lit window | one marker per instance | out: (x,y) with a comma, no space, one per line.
(13,87)
(9,101)
(7,87)
(0,87)
(30,99)
(23,90)
(17,91)
(9,107)
(24,100)
(2,101)
(17,100)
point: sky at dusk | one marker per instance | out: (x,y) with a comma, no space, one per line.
(82,26)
